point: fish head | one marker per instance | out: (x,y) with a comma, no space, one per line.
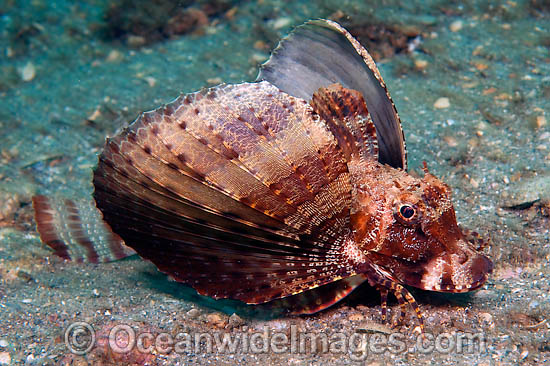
(423,245)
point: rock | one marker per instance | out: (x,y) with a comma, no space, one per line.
(27,72)
(214,81)
(151,81)
(216,320)
(486,318)
(281,23)
(356,317)
(5,358)
(136,41)
(114,56)
(235,321)
(528,190)
(450,140)
(193,313)
(420,64)
(540,121)
(456,26)
(442,103)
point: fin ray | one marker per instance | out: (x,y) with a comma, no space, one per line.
(320,53)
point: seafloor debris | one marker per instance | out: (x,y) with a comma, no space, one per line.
(144,22)
(384,41)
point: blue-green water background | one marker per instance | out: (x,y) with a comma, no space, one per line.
(58,72)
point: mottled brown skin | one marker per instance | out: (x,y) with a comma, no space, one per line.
(198,193)
(426,249)
(249,193)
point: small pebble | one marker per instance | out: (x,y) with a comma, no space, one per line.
(95,292)
(151,81)
(480,66)
(450,140)
(193,313)
(487,319)
(5,358)
(215,319)
(442,103)
(420,64)
(259,57)
(482,125)
(27,72)
(261,45)
(540,121)
(114,56)
(136,41)
(456,26)
(214,81)
(235,321)
(281,23)
(356,317)
(95,115)
(230,14)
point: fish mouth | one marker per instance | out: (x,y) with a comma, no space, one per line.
(456,272)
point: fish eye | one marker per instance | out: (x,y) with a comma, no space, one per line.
(407,211)
(407,214)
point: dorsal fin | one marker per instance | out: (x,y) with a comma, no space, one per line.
(347,117)
(320,53)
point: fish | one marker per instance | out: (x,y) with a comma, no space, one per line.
(292,188)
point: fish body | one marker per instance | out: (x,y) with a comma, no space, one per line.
(291,187)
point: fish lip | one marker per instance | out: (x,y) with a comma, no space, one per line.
(443,274)
(460,289)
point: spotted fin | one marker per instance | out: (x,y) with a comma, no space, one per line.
(320,53)
(238,191)
(75,230)
(345,113)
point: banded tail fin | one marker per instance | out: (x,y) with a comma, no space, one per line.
(76,231)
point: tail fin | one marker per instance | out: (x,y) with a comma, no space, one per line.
(75,230)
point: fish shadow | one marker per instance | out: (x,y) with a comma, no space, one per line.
(364,295)
(159,282)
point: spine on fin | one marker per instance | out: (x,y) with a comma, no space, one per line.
(75,230)
(346,115)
